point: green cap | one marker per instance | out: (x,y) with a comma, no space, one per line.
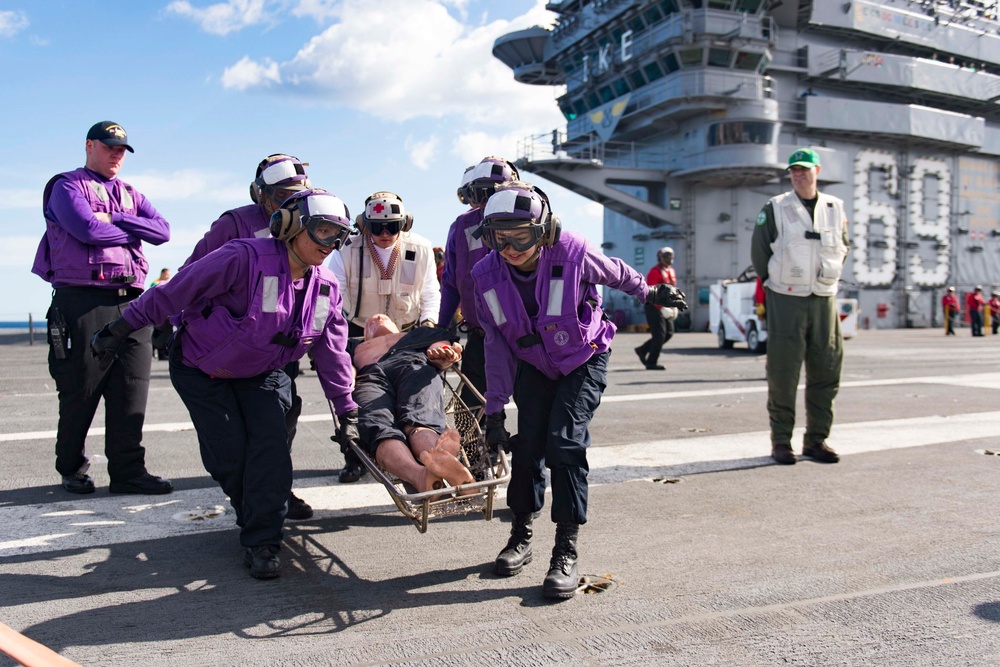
(804,157)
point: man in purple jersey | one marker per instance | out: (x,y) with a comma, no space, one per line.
(92,255)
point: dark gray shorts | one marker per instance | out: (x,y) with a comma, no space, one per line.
(402,390)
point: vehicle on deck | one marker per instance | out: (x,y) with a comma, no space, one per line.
(736,312)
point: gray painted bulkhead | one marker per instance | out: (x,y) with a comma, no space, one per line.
(908,136)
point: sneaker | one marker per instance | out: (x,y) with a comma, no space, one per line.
(78,482)
(143,484)
(263,561)
(641,355)
(298,509)
(655,367)
(820,452)
(782,453)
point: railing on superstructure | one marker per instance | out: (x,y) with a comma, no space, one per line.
(590,149)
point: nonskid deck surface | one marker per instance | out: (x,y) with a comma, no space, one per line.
(888,555)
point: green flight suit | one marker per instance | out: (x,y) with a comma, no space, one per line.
(799,328)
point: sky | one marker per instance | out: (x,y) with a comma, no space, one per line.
(398,95)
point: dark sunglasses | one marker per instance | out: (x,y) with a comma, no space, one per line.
(379,228)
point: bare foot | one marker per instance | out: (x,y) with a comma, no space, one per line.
(443,464)
(430,483)
(450,441)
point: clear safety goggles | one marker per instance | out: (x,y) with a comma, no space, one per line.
(520,238)
(325,232)
(326,220)
(285,170)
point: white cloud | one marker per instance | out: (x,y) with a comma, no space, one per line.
(249,74)
(422,153)
(319,10)
(189,185)
(12,22)
(20,198)
(401,59)
(222,18)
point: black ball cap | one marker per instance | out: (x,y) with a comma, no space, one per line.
(109,133)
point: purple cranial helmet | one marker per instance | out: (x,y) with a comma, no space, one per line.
(278,174)
(522,206)
(463,189)
(486,176)
(315,211)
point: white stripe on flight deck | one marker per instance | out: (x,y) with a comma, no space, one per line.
(100,520)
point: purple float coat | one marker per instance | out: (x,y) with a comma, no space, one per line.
(461,253)
(245,222)
(80,250)
(237,308)
(570,327)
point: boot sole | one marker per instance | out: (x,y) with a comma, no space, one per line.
(511,571)
(559,594)
(261,575)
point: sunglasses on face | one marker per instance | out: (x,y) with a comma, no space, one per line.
(378,228)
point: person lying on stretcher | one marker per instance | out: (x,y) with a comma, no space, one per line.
(401,408)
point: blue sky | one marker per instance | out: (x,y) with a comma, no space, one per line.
(396,95)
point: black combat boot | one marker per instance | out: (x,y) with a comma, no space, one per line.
(517,553)
(563,578)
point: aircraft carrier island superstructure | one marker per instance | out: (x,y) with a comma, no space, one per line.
(681,114)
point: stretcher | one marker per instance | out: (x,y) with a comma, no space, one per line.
(488,469)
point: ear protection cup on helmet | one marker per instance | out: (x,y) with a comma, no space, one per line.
(285,224)
(406,222)
(286,221)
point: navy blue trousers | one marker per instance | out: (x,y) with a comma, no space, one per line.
(553,431)
(244,443)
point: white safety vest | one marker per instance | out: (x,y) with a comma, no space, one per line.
(808,255)
(400,299)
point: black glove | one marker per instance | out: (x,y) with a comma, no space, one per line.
(162,335)
(348,432)
(497,436)
(106,342)
(666,295)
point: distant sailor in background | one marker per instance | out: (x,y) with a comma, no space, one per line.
(278,177)
(92,254)
(243,312)
(659,319)
(975,302)
(994,305)
(951,308)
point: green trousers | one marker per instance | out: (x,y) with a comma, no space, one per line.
(802,329)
